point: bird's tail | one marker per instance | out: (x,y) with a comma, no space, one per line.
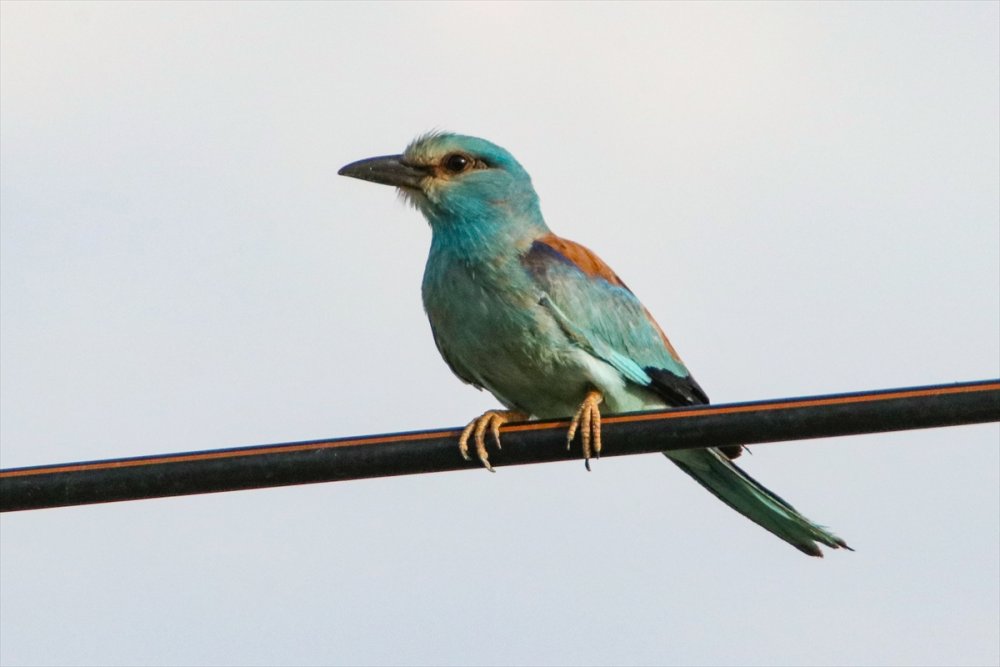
(748,497)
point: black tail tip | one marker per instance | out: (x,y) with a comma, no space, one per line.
(812,549)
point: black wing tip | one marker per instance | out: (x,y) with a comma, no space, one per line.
(674,389)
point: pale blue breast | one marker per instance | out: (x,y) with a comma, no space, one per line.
(491,330)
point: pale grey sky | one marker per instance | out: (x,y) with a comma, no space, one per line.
(806,196)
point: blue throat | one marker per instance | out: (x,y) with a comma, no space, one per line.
(475,230)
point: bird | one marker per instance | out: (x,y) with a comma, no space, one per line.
(544,324)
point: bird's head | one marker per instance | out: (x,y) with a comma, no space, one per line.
(454,179)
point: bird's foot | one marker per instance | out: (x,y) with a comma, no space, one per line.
(588,420)
(492,420)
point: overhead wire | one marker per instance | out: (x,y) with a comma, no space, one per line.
(384,455)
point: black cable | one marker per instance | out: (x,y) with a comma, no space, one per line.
(532,442)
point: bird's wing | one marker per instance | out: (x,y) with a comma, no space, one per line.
(600,314)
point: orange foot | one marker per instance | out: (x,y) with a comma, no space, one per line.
(588,420)
(493,420)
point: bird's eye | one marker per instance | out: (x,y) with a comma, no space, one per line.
(456,163)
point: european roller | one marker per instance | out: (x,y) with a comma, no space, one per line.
(546,326)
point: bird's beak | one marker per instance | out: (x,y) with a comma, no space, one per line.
(387,170)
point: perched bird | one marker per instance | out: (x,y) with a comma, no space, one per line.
(545,325)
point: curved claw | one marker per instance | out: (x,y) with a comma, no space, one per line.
(492,420)
(588,420)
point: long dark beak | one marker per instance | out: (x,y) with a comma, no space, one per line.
(387,170)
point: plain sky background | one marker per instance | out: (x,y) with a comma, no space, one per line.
(807,197)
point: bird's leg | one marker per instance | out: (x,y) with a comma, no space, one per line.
(588,420)
(492,420)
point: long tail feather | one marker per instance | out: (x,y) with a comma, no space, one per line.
(748,497)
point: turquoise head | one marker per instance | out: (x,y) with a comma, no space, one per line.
(460,183)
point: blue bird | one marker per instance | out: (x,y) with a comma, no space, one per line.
(545,325)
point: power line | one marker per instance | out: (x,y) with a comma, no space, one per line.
(531,442)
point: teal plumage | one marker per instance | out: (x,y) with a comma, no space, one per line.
(545,325)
